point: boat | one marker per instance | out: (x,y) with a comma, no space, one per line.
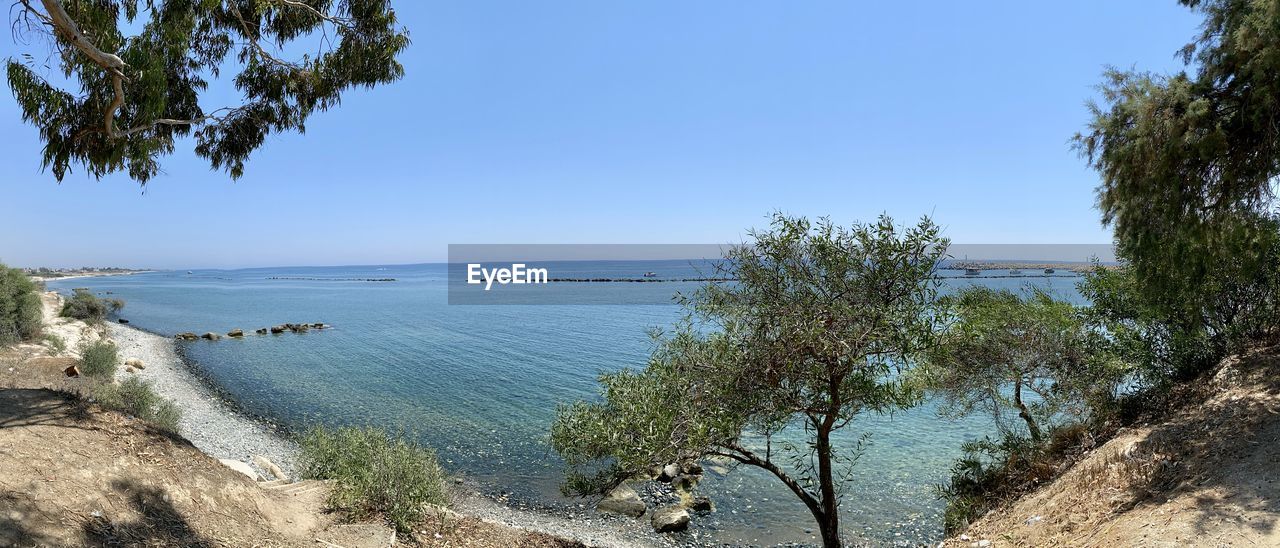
(972,272)
(1048,271)
(189,272)
(1015,272)
(651,274)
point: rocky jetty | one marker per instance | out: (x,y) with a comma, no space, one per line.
(240,333)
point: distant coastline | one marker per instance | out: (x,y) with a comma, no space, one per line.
(46,275)
(1077,267)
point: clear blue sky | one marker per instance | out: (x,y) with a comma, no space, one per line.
(636,122)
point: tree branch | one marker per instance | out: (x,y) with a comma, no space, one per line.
(745,456)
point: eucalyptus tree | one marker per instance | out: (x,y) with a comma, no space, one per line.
(815,329)
(122,80)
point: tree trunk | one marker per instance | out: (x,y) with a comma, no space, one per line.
(1025,413)
(829,521)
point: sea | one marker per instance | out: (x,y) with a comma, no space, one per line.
(481,383)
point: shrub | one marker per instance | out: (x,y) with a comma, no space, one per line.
(99,360)
(19,307)
(136,397)
(994,471)
(374,473)
(55,343)
(84,305)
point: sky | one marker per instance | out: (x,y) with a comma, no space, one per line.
(634,122)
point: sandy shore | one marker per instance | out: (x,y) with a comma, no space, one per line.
(210,423)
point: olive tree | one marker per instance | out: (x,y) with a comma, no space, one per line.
(1031,357)
(815,328)
(130,74)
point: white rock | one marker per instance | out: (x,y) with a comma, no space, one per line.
(240,467)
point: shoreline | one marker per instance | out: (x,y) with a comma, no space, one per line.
(209,421)
(217,426)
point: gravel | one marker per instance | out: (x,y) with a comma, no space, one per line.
(208,421)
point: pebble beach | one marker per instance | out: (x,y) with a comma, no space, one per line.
(208,421)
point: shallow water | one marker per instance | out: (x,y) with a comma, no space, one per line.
(481,383)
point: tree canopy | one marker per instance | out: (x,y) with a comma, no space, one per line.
(1006,354)
(132,74)
(1189,163)
(815,329)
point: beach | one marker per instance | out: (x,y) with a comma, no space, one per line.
(217,428)
(208,421)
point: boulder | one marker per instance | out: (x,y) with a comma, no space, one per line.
(684,482)
(240,467)
(670,519)
(187,336)
(128,369)
(72,371)
(235,333)
(700,504)
(211,336)
(122,320)
(135,362)
(266,464)
(622,500)
(318,326)
(278,329)
(669,472)
(692,469)
(262,331)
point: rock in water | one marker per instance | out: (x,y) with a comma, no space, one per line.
(670,519)
(262,331)
(700,504)
(684,482)
(235,333)
(211,336)
(277,329)
(622,500)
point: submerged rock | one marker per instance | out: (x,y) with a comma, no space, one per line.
(622,500)
(261,331)
(278,329)
(211,336)
(670,519)
(187,336)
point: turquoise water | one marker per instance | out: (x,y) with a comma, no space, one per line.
(481,383)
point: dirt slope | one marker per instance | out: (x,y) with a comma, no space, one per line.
(1208,475)
(75,474)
